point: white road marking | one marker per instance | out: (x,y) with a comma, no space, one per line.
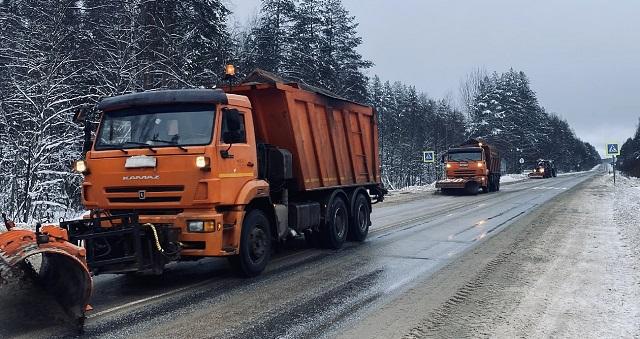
(549,188)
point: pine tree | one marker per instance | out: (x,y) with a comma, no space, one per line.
(303,58)
(340,64)
(270,38)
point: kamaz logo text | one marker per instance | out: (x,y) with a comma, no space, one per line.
(141,177)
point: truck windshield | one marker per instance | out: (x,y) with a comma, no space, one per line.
(465,156)
(159,126)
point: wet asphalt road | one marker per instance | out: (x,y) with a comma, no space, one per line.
(308,292)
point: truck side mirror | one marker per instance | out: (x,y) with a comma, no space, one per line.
(79,117)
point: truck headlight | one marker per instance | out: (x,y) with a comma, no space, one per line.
(80,166)
(448,165)
(195,226)
(480,165)
(203,163)
(542,170)
(199,226)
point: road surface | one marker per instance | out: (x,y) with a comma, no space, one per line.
(306,292)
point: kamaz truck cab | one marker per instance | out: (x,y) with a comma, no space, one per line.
(471,166)
(544,169)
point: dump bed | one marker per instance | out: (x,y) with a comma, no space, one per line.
(334,142)
(492,158)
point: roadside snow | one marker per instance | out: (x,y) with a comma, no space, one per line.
(507,178)
(417,189)
(626,206)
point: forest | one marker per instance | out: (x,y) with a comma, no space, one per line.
(61,56)
(629,160)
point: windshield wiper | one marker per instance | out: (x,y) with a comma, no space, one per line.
(114,146)
(141,144)
(173,143)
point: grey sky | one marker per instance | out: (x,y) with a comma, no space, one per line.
(582,56)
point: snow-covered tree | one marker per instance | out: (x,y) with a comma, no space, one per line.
(270,37)
(41,76)
(506,113)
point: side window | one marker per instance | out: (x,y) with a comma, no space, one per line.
(242,131)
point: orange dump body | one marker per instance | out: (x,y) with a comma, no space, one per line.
(333,142)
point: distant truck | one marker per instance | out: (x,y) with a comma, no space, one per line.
(472,166)
(544,169)
(186,174)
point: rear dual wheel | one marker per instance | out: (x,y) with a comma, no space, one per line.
(360,219)
(336,223)
(340,224)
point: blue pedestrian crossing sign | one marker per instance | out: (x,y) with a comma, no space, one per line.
(429,156)
(613,149)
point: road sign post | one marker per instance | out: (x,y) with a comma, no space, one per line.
(429,157)
(521,161)
(613,150)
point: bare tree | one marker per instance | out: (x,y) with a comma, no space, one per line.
(470,87)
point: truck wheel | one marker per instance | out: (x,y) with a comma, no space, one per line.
(472,188)
(498,185)
(360,220)
(255,245)
(336,223)
(487,189)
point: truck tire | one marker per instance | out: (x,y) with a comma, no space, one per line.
(487,189)
(336,223)
(360,219)
(255,245)
(472,188)
(493,183)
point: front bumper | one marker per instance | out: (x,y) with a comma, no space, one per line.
(455,183)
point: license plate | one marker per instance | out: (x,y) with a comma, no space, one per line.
(141,161)
(464,164)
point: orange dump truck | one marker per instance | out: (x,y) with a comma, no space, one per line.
(185,174)
(471,166)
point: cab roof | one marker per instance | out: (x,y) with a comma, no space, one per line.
(164,97)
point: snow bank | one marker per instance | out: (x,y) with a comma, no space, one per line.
(507,178)
(627,204)
(415,189)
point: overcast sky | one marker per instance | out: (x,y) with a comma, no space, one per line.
(582,56)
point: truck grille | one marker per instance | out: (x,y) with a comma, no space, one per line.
(145,212)
(133,189)
(144,194)
(464,173)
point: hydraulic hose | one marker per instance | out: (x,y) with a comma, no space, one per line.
(156,240)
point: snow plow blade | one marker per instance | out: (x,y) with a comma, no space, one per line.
(43,278)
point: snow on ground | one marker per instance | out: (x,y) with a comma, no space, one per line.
(507,178)
(627,205)
(417,189)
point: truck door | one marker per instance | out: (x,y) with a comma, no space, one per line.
(237,164)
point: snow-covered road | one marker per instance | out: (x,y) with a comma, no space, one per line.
(309,292)
(567,270)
